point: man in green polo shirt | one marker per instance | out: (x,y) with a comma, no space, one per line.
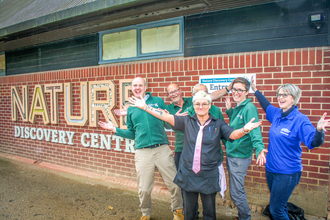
(152,150)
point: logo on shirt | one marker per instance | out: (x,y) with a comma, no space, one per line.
(285,131)
(239,116)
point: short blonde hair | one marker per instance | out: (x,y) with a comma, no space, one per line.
(202,95)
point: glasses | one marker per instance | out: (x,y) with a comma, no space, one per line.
(239,91)
(284,95)
(201,104)
(173,92)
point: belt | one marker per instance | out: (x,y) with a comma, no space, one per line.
(152,146)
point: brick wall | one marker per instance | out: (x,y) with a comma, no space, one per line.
(309,68)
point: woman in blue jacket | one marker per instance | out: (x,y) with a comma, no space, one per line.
(289,128)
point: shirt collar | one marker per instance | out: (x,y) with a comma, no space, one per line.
(148,94)
(244,102)
(288,114)
(210,117)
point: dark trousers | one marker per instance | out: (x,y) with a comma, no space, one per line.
(190,205)
(281,187)
(177,157)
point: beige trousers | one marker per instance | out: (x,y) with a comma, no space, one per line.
(145,162)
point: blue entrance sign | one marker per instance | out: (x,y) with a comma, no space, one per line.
(217,82)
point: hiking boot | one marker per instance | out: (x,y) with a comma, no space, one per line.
(145,217)
(178,214)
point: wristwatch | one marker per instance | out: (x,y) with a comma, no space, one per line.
(245,131)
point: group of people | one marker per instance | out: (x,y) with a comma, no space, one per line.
(196,169)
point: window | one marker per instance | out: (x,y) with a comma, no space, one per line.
(143,41)
(2,64)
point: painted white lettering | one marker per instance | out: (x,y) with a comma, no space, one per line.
(118,140)
(94,139)
(40,134)
(32,133)
(61,138)
(83,139)
(130,146)
(22,132)
(105,141)
(70,135)
(47,134)
(27,132)
(17,131)
(54,136)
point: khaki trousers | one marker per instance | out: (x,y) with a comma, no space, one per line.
(145,162)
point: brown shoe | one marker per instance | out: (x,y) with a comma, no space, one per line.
(145,217)
(178,214)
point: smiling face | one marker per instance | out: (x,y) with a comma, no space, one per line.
(174,93)
(138,87)
(285,100)
(239,92)
(202,107)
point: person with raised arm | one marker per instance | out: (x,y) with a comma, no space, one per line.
(289,128)
(198,172)
(151,151)
(239,152)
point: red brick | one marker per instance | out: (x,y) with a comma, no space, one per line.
(292,81)
(220,60)
(247,60)
(292,58)
(272,69)
(237,71)
(282,75)
(312,80)
(214,63)
(298,58)
(321,100)
(206,72)
(319,56)
(312,57)
(253,60)
(259,59)
(242,61)
(226,71)
(263,76)
(254,70)
(231,61)
(236,62)
(308,180)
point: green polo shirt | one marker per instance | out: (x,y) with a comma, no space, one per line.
(173,109)
(239,116)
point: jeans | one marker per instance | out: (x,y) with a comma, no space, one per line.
(281,187)
(237,169)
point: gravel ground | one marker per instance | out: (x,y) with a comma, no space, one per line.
(29,191)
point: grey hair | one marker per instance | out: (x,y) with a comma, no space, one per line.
(202,95)
(293,90)
(194,88)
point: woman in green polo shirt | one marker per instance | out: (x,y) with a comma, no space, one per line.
(239,152)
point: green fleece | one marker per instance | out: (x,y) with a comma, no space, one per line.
(144,128)
(239,116)
(173,109)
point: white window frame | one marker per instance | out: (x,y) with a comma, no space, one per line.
(139,28)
